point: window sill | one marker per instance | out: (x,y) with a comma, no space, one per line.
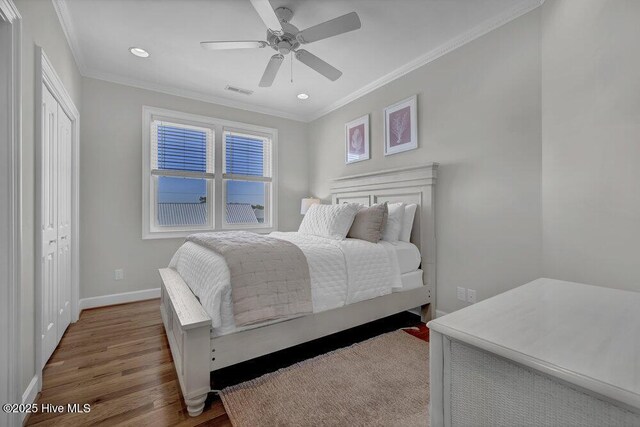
(155,235)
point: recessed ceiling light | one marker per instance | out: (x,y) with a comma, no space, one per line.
(303,96)
(140,52)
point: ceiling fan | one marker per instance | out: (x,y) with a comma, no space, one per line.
(285,38)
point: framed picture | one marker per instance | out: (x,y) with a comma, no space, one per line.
(401,126)
(356,135)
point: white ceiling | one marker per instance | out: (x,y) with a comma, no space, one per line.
(396,37)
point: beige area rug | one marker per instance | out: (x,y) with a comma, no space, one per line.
(383,381)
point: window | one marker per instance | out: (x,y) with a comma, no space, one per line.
(182,175)
(247,179)
(203,174)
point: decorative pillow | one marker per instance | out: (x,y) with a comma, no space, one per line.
(395,219)
(369,223)
(332,221)
(407,224)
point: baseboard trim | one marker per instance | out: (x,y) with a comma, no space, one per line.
(122,298)
(29,395)
(440,313)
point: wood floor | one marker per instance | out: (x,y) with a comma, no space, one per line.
(117,359)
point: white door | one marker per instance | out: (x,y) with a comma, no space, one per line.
(56,223)
(64,222)
(49,224)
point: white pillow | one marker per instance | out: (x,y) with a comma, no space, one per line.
(332,221)
(395,219)
(407,224)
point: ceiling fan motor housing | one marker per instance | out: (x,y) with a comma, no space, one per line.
(284,14)
(284,41)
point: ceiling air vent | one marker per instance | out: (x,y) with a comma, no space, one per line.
(238,90)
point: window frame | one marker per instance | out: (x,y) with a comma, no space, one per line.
(268,202)
(215,186)
(209,177)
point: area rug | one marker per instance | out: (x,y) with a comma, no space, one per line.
(421,331)
(383,381)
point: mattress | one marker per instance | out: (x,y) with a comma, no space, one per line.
(342,272)
(410,281)
(408,256)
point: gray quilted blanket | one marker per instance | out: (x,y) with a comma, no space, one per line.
(269,277)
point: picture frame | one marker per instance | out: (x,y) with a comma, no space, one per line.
(401,126)
(356,138)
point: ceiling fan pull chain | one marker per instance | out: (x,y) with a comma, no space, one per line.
(291,67)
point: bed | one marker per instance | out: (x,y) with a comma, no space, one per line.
(201,331)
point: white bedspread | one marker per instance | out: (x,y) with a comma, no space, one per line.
(342,272)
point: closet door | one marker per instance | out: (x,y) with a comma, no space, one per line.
(49,224)
(64,223)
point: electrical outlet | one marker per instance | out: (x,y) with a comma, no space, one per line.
(471,296)
(118,274)
(462,294)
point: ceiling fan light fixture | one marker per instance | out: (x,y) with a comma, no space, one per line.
(139,52)
(303,96)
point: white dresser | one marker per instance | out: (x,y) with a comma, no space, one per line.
(546,353)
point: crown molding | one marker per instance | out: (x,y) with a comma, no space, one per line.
(453,44)
(66,22)
(487,26)
(9,11)
(185,93)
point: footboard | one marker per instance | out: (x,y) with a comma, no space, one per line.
(188,329)
(248,344)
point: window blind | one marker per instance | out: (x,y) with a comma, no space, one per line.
(247,155)
(181,148)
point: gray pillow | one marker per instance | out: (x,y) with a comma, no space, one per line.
(369,223)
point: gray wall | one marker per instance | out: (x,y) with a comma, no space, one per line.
(591,141)
(111,183)
(40,26)
(479,117)
(535,126)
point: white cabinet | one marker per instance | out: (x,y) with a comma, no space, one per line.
(546,353)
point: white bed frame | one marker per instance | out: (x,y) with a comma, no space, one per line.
(188,326)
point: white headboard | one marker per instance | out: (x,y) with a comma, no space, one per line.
(410,185)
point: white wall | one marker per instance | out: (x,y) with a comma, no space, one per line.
(591,141)
(6,217)
(40,26)
(479,117)
(111,193)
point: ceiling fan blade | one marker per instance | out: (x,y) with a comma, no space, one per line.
(267,14)
(223,45)
(271,71)
(312,61)
(339,25)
